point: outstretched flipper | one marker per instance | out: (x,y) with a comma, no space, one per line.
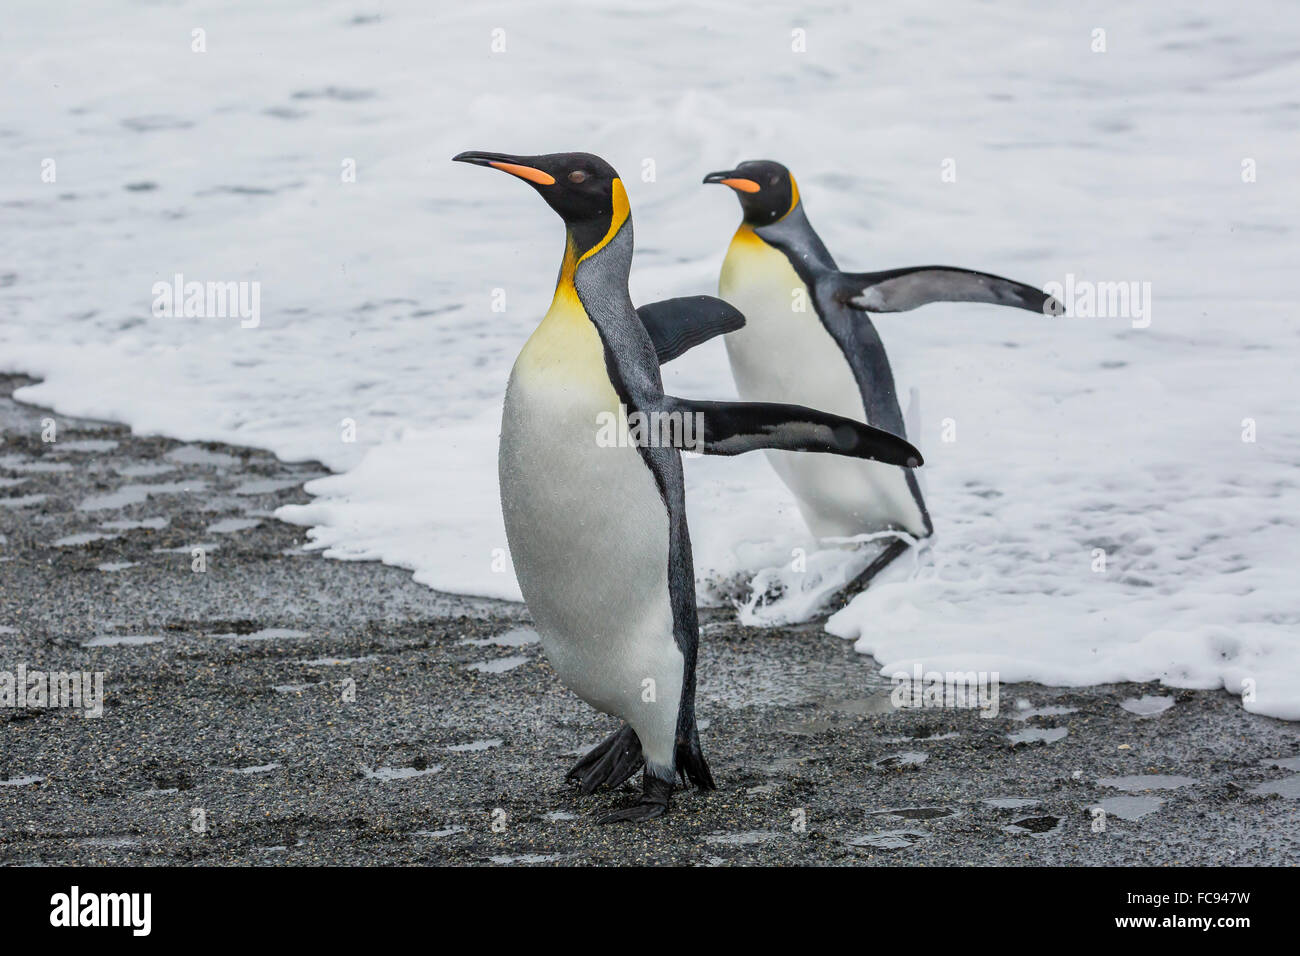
(898,290)
(733,428)
(676,325)
(610,763)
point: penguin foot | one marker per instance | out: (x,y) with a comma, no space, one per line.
(654,803)
(894,550)
(610,763)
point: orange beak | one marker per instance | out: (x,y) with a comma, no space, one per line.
(526,172)
(508,163)
(736,183)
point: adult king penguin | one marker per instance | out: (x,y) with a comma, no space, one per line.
(808,338)
(597,528)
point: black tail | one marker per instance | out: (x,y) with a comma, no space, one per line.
(691,763)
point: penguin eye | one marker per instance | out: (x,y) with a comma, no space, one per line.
(577,176)
(774,180)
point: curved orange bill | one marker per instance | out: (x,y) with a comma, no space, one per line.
(526,172)
(728,177)
(520,166)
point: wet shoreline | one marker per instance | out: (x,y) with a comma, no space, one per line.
(309,711)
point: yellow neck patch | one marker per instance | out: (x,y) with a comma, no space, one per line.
(566,351)
(565,293)
(794,196)
(746,253)
(745,236)
(617,216)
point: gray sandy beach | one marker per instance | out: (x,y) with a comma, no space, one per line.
(279,707)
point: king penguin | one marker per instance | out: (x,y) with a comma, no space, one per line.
(808,338)
(597,527)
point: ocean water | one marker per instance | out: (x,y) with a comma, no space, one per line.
(991,136)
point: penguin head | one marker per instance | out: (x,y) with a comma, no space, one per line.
(766,190)
(583,189)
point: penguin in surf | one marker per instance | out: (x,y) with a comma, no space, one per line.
(829,354)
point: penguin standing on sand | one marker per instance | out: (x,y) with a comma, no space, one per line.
(597,527)
(808,338)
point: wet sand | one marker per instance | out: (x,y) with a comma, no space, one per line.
(310,711)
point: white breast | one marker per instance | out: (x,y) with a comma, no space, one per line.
(588,533)
(786,355)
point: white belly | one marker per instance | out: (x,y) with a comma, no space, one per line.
(783,355)
(588,535)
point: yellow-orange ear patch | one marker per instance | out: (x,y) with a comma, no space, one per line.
(743,185)
(526,172)
(618,214)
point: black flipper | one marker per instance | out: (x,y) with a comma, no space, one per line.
(898,290)
(655,800)
(733,428)
(677,325)
(609,763)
